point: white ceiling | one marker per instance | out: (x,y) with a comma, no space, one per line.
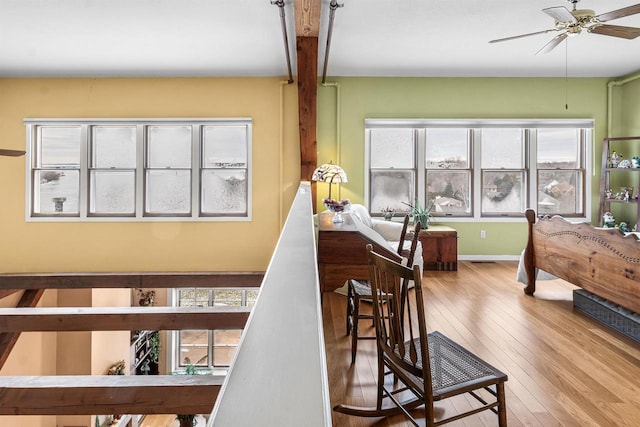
(244,38)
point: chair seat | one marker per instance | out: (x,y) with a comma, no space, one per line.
(454,368)
(361,289)
(430,366)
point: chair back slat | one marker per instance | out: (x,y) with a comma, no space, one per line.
(403,234)
(430,366)
(396,340)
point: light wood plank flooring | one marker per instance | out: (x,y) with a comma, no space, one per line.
(564,368)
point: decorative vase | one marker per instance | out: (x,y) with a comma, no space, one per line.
(424,220)
(338,207)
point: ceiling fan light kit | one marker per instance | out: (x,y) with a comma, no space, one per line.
(573,22)
(11,153)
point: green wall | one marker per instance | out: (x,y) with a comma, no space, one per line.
(343,108)
(630,109)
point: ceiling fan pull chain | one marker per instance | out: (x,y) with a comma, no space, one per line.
(566,75)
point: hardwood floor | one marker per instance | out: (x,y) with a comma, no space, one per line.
(168,421)
(564,368)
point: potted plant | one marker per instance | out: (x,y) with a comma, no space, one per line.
(418,213)
(154,352)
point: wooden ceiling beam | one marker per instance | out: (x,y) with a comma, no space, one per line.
(307,24)
(307,17)
(307,50)
(109,394)
(121,318)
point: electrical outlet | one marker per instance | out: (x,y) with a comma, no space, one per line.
(483,234)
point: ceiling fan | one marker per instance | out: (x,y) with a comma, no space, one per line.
(575,21)
(11,153)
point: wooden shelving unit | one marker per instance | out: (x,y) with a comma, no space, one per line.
(632,176)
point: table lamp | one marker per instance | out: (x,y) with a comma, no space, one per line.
(330,173)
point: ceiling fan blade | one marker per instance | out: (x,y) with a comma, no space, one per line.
(523,35)
(11,153)
(560,14)
(553,43)
(616,31)
(615,14)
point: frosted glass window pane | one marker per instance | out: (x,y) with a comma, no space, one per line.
(230,297)
(392,148)
(168,191)
(502,148)
(58,146)
(112,192)
(225,147)
(503,192)
(113,147)
(449,191)
(194,297)
(224,191)
(169,147)
(194,348)
(56,191)
(447,148)
(252,296)
(559,192)
(558,148)
(389,189)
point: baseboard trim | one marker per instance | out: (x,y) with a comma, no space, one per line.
(486,258)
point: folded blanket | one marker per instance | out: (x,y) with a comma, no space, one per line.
(540,274)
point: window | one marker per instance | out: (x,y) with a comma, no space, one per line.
(392,168)
(209,349)
(561,175)
(478,168)
(126,169)
(448,170)
(504,175)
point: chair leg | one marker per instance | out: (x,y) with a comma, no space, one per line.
(502,405)
(354,329)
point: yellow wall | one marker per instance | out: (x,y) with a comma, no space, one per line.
(129,246)
(37,247)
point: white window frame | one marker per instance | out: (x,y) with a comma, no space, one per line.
(530,125)
(173,298)
(141,124)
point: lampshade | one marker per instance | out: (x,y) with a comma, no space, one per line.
(330,173)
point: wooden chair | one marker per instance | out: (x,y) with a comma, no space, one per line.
(358,290)
(431,367)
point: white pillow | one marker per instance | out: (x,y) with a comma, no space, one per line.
(362,214)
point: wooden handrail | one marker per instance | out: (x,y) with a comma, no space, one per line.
(8,340)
